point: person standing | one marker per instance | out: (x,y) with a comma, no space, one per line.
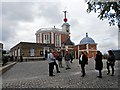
(71,57)
(110,62)
(21,58)
(55,54)
(51,60)
(99,63)
(67,60)
(46,54)
(83,59)
(59,58)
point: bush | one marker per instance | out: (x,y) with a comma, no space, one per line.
(4,59)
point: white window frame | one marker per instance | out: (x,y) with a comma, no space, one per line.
(58,40)
(46,38)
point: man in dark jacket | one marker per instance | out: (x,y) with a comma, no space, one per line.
(110,62)
(83,59)
(99,63)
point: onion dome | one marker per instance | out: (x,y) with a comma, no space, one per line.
(87,40)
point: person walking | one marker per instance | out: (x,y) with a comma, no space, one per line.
(99,63)
(83,59)
(110,62)
(59,58)
(67,60)
(51,60)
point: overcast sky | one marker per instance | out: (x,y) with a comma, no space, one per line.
(21,20)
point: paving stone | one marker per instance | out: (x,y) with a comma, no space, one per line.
(35,75)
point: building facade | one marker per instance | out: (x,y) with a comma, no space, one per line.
(59,37)
(51,36)
(47,38)
(86,44)
(30,51)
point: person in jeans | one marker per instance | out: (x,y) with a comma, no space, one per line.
(110,62)
(67,60)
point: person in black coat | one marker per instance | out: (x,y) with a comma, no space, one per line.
(110,62)
(83,59)
(99,63)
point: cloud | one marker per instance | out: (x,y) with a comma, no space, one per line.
(50,12)
(18,11)
(20,21)
(12,14)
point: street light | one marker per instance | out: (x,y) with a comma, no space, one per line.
(119,25)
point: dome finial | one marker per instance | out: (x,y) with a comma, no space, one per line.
(86,34)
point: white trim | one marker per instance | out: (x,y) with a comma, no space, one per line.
(57,40)
(47,40)
(19,52)
(15,52)
(40,37)
(52,38)
(60,39)
(33,57)
(36,38)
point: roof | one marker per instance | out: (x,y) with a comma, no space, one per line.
(31,44)
(87,40)
(67,24)
(68,42)
(56,30)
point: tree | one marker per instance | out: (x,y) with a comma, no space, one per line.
(106,10)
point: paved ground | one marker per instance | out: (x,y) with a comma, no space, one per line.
(35,75)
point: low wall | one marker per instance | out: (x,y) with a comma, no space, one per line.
(6,67)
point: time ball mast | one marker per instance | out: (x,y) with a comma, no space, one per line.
(65,19)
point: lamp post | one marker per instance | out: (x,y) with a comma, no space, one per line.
(119,26)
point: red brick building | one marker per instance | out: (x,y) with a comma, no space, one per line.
(59,37)
(86,44)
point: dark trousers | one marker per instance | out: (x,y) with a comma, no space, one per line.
(71,60)
(100,73)
(108,67)
(83,69)
(51,67)
(57,69)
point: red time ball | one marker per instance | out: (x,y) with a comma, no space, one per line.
(65,19)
